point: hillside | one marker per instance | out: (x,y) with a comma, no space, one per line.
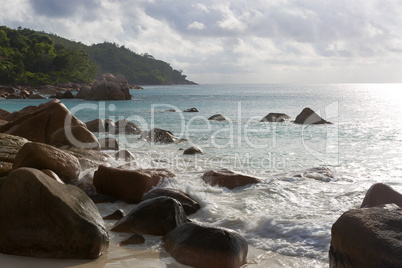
(29,57)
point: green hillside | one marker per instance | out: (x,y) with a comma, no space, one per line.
(29,57)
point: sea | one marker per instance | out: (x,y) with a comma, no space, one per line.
(310,174)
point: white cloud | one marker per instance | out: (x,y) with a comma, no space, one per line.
(238,40)
(196,26)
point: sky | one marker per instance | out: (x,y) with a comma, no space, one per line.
(236,41)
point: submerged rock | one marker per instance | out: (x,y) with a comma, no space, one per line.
(191,110)
(202,245)
(218,117)
(227,178)
(159,136)
(43,218)
(193,150)
(190,206)
(369,237)
(275,117)
(308,116)
(156,216)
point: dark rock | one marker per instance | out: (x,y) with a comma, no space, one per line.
(201,245)
(110,87)
(109,144)
(124,126)
(3,122)
(67,95)
(124,155)
(52,175)
(128,185)
(110,126)
(102,198)
(227,178)
(9,147)
(97,125)
(74,136)
(308,116)
(218,117)
(193,150)
(46,219)
(159,136)
(191,110)
(46,119)
(117,215)
(83,93)
(190,206)
(36,96)
(370,237)
(4,114)
(134,239)
(275,117)
(156,216)
(43,156)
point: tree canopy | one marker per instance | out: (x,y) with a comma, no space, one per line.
(28,57)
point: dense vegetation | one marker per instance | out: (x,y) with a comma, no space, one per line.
(34,58)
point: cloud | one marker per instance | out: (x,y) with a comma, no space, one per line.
(196,26)
(237,40)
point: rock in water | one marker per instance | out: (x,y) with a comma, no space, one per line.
(156,216)
(159,136)
(369,237)
(227,178)
(128,185)
(43,218)
(201,245)
(193,150)
(275,117)
(218,117)
(308,116)
(43,156)
(110,87)
(190,206)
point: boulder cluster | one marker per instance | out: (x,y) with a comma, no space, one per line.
(47,199)
(108,87)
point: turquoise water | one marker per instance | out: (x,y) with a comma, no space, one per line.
(286,214)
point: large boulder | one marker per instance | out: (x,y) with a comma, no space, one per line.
(275,117)
(159,136)
(43,218)
(370,237)
(128,185)
(110,87)
(74,136)
(39,123)
(43,156)
(9,147)
(190,206)
(227,178)
(201,245)
(309,117)
(156,216)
